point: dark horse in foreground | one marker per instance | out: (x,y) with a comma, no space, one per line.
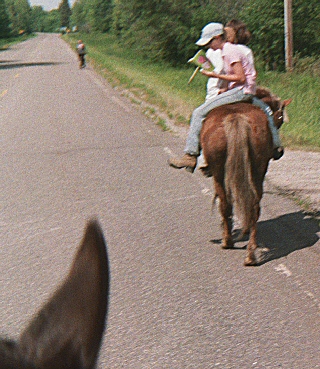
(237,145)
(68,330)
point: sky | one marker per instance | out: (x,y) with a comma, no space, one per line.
(48,4)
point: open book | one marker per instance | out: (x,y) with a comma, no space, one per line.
(200,60)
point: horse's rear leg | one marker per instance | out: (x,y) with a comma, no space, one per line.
(226,213)
(251,259)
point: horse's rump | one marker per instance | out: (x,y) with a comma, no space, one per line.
(237,145)
(213,135)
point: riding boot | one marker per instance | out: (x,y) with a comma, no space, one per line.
(187,161)
(278,153)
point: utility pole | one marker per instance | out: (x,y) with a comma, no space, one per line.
(288,34)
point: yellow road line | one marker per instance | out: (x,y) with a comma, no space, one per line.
(4,92)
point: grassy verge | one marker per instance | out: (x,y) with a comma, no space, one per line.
(6,42)
(168,94)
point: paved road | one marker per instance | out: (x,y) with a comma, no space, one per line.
(71,147)
(298,174)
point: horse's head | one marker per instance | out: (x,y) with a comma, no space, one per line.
(276,104)
(280,115)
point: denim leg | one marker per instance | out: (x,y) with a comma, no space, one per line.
(274,130)
(200,113)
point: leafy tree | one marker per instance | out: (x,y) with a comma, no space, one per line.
(306,27)
(92,15)
(79,17)
(19,12)
(231,9)
(4,20)
(100,15)
(51,22)
(65,13)
(164,30)
(38,16)
(265,19)
(167,29)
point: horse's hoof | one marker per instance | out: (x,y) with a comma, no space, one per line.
(227,245)
(250,261)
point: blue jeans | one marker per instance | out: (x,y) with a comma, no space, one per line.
(274,130)
(200,113)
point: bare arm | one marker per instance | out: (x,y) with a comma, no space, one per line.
(237,75)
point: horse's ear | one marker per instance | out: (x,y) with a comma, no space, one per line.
(67,332)
(286,102)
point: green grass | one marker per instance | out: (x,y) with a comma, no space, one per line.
(6,42)
(166,89)
(303,128)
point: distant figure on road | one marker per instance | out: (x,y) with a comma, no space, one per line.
(81,50)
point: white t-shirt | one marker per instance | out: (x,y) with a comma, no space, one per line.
(214,84)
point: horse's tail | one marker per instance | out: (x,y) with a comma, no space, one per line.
(239,184)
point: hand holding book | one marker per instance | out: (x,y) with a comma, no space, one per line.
(201,61)
(209,73)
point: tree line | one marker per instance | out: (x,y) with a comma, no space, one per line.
(165,30)
(18,17)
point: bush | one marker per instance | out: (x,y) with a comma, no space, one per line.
(310,65)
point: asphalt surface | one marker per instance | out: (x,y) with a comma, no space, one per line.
(73,148)
(297,174)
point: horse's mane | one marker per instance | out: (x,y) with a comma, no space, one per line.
(264,92)
(268,97)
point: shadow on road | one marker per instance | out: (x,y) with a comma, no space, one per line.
(288,233)
(281,236)
(8,61)
(12,65)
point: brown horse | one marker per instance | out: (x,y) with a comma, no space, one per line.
(68,330)
(237,145)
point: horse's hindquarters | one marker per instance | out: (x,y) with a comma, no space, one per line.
(237,144)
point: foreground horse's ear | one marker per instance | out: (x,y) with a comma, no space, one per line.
(67,332)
